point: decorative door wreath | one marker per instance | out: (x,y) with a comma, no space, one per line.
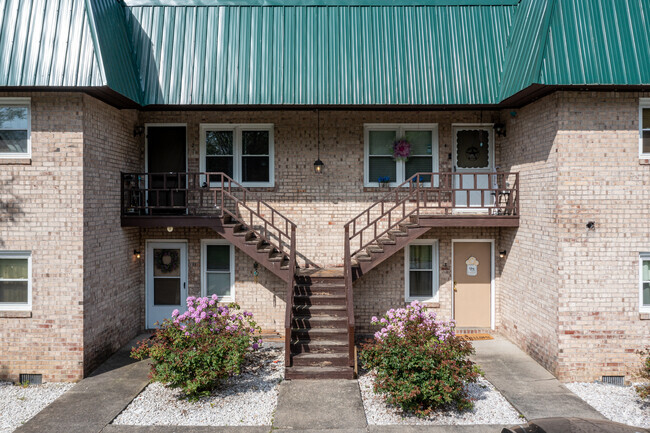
(166,260)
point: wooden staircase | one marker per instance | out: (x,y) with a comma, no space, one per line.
(320,340)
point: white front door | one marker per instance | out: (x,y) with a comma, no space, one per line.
(166,280)
(473,152)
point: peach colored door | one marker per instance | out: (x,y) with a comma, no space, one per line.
(472,284)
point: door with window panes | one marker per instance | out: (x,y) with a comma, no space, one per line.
(381,165)
(473,152)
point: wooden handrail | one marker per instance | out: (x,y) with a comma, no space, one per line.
(212,192)
(414,193)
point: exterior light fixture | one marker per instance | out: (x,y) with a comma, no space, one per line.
(591,225)
(503,253)
(138,130)
(137,254)
(500,129)
(170,229)
(318,165)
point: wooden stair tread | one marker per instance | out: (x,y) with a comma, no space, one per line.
(319,342)
(317,331)
(321,307)
(331,355)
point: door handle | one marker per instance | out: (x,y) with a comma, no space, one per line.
(455,288)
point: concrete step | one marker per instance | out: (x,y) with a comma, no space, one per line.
(318,373)
(321,360)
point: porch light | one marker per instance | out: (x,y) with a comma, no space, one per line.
(138,130)
(318,165)
(500,129)
(503,253)
(137,254)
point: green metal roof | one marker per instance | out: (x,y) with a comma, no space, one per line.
(323,52)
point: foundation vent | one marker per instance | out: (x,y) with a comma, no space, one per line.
(31,379)
(614,380)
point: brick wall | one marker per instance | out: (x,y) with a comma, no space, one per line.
(42,212)
(529,279)
(112,275)
(600,179)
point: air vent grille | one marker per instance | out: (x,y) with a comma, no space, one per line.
(31,379)
(614,380)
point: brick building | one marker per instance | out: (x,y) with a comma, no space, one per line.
(522,207)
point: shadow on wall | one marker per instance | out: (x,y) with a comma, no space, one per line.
(10,205)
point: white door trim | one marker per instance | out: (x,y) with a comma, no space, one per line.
(149,243)
(492,276)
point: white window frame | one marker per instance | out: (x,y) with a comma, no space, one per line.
(642,258)
(644,103)
(20,102)
(237,129)
(435,290)
(6,306)
(204,267)
(401,165)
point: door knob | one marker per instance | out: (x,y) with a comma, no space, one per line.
(455,289)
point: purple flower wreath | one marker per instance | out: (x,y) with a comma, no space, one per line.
(401,149)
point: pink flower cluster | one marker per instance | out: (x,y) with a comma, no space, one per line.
(401,149)
(205,313)
(415,315)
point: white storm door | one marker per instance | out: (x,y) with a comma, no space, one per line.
(166,280)
(473,152)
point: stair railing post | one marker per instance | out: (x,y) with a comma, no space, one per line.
(347,274)
(289,311)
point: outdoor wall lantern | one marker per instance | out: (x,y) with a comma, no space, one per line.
(138,130)
(500,129)
(137,254)
(503,253)
(318,165)
(591,225)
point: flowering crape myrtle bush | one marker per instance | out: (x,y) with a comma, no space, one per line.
(204,345)
(419,362)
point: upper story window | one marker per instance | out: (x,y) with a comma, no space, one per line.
(15,128)
(15,280)
(644,283)
(379,160)
(421,271)
(243,152)
(644,126)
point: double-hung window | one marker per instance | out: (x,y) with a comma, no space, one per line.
(15,280)
(218,269)
(380,165)
(644,128)
(15,128)
(644,283)
(421,271)
(243,152)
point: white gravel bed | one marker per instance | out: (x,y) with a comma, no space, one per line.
(617,403)
(489,408)
(245,400)
(18,404)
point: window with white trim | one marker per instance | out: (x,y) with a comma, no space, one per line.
(644,283)
(243,152)
(15,280)
(644,128)
(421,271)
(380,167)
(15,128)
(218,269)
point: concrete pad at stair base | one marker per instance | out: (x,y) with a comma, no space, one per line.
(530,388)
(436,429)
(319,404)
(95,401)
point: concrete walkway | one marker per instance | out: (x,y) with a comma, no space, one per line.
(93,403)
(324,406)
(532,390)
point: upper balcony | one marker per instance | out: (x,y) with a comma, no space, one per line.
(445,199)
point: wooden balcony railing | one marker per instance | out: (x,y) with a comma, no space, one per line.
(217,195)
